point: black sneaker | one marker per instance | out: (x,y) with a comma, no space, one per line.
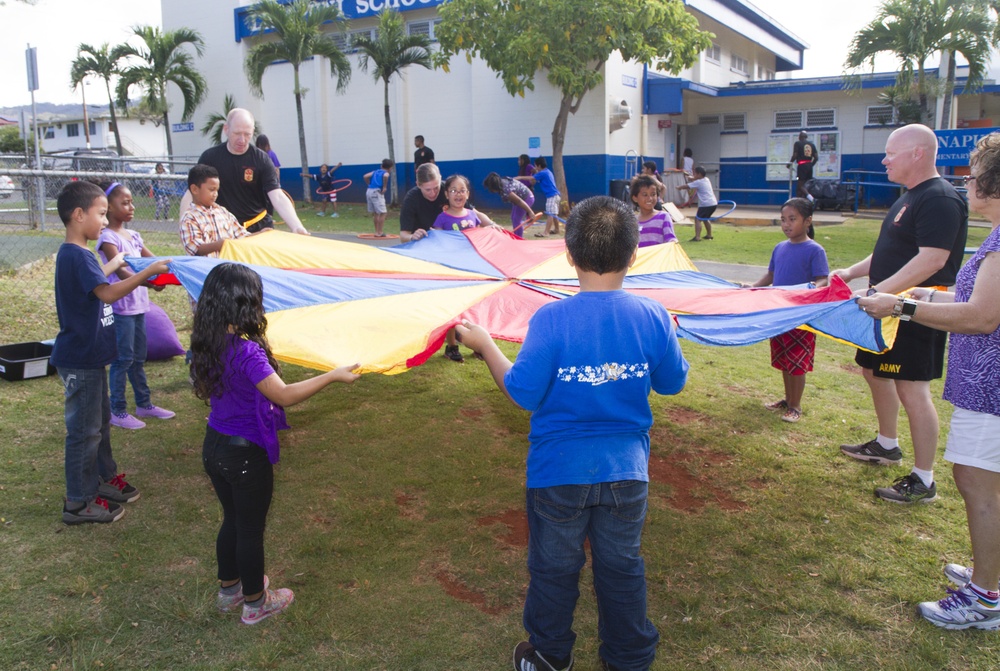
(97,511)
(526,658)
(451,351)
(117,490)
(908,489)
(873,453)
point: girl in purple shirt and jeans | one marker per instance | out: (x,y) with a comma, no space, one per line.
(233,369)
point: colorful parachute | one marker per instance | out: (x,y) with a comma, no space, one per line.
(331,303)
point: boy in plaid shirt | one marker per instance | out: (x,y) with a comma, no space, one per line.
(205,225)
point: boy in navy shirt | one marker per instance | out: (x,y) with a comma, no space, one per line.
(84,347)
(589,441)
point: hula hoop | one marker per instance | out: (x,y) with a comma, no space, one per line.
(335,190)
(732,207)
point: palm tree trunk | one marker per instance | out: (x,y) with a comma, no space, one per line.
(114,118)
(949,93)
(392,152)
(306,183)
(166,126)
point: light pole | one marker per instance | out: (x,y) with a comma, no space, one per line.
(86,121)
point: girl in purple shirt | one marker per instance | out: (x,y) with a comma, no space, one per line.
(457,217)
(233,369)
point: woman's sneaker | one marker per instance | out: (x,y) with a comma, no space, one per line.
(958,574)
(961,609)
(226,602)
(97,511)
(126,421)
(275,601)
(153,411)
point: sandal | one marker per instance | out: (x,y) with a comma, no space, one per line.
(777,405)
(541,235)
(695,240)
(792,415)
(709,237)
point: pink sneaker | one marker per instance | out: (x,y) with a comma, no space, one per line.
(153,411)
(126,421)
(226,602)
(275,601)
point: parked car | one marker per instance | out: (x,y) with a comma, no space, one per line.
(6,187)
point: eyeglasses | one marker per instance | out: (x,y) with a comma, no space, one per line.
(968,178)
(458,192)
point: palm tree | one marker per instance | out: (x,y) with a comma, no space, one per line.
(213,125)
(971,31)
(162,60)
(388,54)
(298,27)
(100,62)
(913,30)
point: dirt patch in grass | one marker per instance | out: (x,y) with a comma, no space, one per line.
(459,591)
(516,523)
(411,506)
(692,477)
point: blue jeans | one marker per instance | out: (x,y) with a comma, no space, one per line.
(130,331)
(88,432)
(610,515)
(243,480)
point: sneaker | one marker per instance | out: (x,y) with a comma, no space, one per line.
(126,421)
(792,415)
(873,453)
(117,490)
(153,411)
(334,215)
(275,601)
(526,658)
(781,405)
(97,511)
(908,489)
(321,214)
(958,574)
(226,602)
(961,609)
(451,351)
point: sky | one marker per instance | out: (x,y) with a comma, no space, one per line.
(825,26)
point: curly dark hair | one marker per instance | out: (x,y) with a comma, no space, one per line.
(231,303)
(986,157)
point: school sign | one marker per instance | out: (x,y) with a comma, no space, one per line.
(954,146)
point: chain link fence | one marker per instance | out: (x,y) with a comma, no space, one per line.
(31,231)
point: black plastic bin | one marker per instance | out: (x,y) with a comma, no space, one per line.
(25,360)
(619,189)
(831,194)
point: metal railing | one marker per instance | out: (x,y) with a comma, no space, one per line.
(788,192)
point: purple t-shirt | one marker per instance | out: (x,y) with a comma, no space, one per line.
(137,302)
(797,263)
(513,186)
(973,380)
(448,222)
(241,410)
(656,230)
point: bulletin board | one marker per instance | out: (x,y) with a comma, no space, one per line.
(779,150)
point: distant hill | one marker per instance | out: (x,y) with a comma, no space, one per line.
(44,109)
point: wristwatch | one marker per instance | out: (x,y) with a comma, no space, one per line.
(904,308)
(871,291)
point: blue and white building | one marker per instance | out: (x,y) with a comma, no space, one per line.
(736,108)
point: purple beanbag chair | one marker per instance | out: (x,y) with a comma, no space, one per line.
(161,335)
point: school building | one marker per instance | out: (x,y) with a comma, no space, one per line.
(738,108)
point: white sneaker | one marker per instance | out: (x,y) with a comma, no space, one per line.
(961,609)
(275,601)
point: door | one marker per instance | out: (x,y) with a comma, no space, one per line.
(705,140)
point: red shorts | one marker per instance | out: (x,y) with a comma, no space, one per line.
(793,352)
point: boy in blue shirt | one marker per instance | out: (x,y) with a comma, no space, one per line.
(85,345)
(546,181)
(377,182)
(589,441)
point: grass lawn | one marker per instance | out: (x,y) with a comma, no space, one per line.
(398,520)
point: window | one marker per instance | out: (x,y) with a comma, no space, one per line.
(93,127)
(734,122)
(763,74)
(880,115)
(739,64)
(72,130)
(423,28)
(50,133)
(788,119)
(708,119)
(714,53)
(821,118)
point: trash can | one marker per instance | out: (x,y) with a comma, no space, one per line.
(619,189)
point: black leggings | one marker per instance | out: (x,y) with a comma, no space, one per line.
(243,479)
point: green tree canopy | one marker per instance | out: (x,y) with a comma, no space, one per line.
(161,60)
(297,32)
(11,142)
(570,41)
(390,53)
(100,62)
(212,127)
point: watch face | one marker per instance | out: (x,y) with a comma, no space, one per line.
(909,307)
(871,291)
